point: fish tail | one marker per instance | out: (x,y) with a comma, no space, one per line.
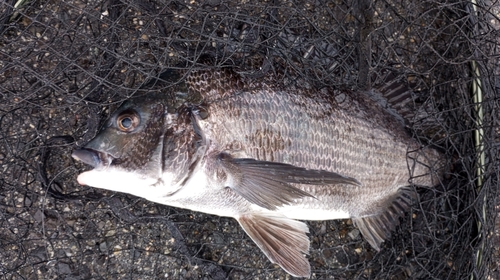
(427,166)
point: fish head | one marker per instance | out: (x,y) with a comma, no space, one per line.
(126,154)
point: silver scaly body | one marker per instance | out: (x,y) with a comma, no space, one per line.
(264,153)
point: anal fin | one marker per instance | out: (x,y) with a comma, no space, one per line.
(376,228)
(283,240)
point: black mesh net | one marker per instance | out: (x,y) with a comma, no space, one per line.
(65,65)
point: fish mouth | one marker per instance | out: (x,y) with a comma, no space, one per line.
(92,157)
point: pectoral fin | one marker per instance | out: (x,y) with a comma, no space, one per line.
(267,184)
(283,240)
(377,228)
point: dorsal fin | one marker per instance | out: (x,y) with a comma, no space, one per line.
(402,96)
(394,93)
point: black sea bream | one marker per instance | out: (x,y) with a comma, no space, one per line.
(265,153)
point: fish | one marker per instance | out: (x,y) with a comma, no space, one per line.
(268,152)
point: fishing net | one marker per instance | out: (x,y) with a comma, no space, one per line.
(65,65)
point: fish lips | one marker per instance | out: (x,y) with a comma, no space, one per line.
(92,157)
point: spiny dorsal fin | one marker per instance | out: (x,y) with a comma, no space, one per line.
(377,228)
(397,91)
(283,240)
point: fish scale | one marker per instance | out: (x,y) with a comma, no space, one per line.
(349,149)
(266,152)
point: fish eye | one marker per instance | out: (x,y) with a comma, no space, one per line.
(127,121)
